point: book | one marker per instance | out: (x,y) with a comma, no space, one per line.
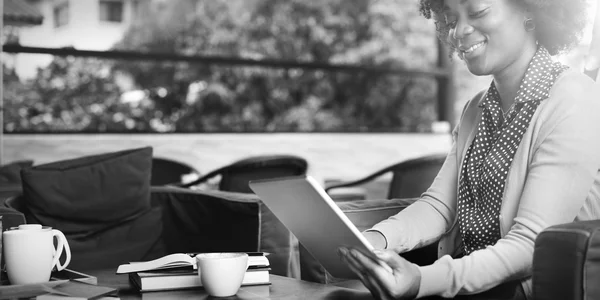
(176,279)
(182,260)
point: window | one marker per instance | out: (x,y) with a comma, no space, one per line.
(61,14)
(111,10)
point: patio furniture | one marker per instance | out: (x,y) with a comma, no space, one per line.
(182,221)
(235,177)
(10,178)
(167,171)
(410,178)
(566,262)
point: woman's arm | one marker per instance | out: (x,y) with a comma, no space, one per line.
(561,173)
(426,220)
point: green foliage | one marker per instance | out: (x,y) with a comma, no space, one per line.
(186,97)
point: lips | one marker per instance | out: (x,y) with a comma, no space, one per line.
(466,50)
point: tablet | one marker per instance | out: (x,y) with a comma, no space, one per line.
(307,211)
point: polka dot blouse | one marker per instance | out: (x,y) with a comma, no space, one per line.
(489,157)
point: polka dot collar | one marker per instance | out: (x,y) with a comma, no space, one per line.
(536,83)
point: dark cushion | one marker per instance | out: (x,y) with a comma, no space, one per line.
(11,173)
(138,239)
(10,178)
(208,221)
(566,262)
(90,193)
(217,221)
(133,239)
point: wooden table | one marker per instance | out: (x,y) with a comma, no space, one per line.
(280,288)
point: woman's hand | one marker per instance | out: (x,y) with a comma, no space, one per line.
(389,276)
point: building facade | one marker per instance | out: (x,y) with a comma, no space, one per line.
(82,24)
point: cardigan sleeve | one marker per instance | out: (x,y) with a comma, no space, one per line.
(426,220)
(561,173)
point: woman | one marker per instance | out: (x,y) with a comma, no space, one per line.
(526,155)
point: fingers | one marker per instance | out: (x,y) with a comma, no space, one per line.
(395,261)
(373,256)
(356,262)
(401,277)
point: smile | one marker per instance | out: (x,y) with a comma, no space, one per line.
(468,51)
(472,48)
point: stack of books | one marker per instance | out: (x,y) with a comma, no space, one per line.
(178,271)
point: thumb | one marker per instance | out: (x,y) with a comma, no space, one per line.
(391,258)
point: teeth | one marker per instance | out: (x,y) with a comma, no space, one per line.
(474,47)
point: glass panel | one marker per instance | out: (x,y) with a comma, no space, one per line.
(111,11)
(61,14)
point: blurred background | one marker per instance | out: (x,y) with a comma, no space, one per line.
(351,85)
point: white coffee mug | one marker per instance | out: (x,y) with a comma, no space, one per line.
(30,254)
(222,274)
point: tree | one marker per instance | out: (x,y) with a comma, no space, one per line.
(208,97)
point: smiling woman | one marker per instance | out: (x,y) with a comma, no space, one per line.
(526,156)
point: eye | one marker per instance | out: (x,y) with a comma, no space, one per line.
(479,13)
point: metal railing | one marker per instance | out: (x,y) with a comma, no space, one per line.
(442,73)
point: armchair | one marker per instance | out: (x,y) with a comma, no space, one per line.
(410,178)
(235,177)
(166,171)
(566,262)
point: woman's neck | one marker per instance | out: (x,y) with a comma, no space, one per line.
(508,80)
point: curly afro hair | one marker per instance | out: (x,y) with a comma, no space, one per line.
(559,23)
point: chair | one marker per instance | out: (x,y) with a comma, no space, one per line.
(166,171)
(235,177)
(10,178)
(410,178)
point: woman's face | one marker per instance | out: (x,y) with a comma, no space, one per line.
(489,35)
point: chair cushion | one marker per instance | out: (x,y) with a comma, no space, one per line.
(208,221)
(138,239)
(90,193)
(10,178)
(11,173)
(217,221)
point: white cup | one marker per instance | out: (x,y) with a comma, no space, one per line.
(30,255)
(221,274)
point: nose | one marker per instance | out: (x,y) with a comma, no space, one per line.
(461,30)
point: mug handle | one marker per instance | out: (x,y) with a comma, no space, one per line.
(62,244)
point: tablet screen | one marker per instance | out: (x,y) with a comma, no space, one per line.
(304,207)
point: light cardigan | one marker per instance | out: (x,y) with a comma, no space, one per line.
(554,179)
